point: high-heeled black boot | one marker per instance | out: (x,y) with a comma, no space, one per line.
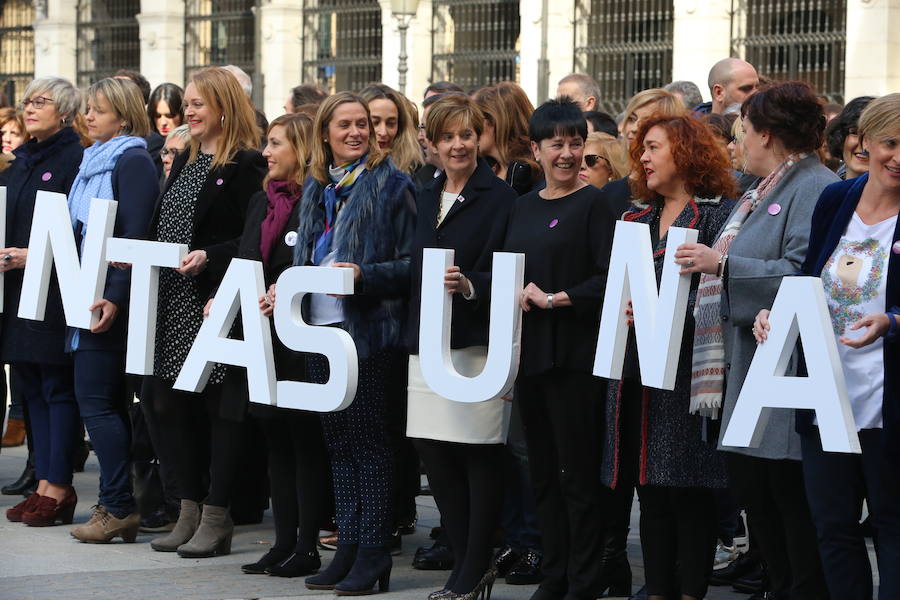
(373,565)
(25,484)
(616,571)
(341,564)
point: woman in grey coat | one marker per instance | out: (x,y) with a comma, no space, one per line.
(765,239)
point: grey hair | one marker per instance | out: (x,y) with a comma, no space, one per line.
(243,79)
(587,84)
(688,90)
(66,97)
(182,132)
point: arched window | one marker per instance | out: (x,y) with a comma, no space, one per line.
(625,46)
(16,48)
(341,43)
(798,39)
(475,42)
(108,38)
(219,32)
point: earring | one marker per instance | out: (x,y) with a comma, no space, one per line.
(222,120)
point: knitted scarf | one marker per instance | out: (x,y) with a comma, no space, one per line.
(282,198)
(94,179)
(708,360)
(342,180)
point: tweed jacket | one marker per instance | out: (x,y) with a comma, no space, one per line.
(772,243)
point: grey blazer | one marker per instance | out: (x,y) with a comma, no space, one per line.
(767,248)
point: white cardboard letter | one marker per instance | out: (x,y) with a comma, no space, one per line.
(336,344)
(241,288)
(504,336)
(53,240)
(800,312)
(658,316)
(146,258)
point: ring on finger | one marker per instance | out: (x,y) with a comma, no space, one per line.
(690,262)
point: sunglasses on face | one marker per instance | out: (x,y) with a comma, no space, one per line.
(591,160)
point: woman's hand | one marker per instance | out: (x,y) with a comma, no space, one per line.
(697,258)
(108,312)
(194,263)
(13,258)
(357,275)
(532,295)
(629,314)
(876,325)
(761,326)
(456,282)
(267,302)
(207,307)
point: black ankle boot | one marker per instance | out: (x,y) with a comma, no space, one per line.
(343,561)
(25,484)
(297,564)
(270,559)
(373,565)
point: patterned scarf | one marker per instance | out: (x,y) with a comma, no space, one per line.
(342,180)
(708,361)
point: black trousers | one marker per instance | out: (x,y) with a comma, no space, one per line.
(561,414)
(773,494)
(407,481)
(837,483)
(678,539)
(464,479)
(204,446)
(299,478)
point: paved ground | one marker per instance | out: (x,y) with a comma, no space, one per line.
(47,564)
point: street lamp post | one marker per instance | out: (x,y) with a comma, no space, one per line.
(403,11)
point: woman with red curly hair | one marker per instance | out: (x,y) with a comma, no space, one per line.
(652,439)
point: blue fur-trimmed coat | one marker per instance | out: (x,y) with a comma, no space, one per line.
(657,425)
(374,230)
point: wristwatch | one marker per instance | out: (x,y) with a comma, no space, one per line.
(550,301)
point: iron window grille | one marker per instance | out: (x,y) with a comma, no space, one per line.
(16,48)
(625,45)
(797,39)
(108,38)
(219,32)
(341,43)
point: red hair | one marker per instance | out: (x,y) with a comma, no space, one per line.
(700,160)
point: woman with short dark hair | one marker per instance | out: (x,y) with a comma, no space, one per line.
(165,108)
(764,240)
(565,232)
(843,140)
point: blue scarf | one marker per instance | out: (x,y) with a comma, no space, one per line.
(94,179)
(342,180)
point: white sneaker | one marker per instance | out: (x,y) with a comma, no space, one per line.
(724,556)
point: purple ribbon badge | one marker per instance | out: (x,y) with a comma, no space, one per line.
(46,176)
(774,209)
(896,248)
(554,223)
(220,181)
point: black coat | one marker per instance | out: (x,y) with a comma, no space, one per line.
(475,227)
(135,175)
(50,166)
(617,195)
(220,211)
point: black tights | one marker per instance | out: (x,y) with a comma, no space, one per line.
(206,445)
(299,478)
(463,478)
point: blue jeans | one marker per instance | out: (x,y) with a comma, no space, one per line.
(54,418)
(102,398)
(836,485)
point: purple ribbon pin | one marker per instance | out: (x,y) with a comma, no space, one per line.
(220,181)
(774,209)
(896,248)
(554,223)
(46,176)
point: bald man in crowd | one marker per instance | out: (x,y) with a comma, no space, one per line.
(581,88)
(731,80)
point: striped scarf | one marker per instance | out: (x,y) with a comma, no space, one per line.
(342,180)
(708,360)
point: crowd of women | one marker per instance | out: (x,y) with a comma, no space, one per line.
(360,181)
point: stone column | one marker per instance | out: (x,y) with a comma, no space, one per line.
(162,41)
(872,65)
(539,70)
(702,37)
(281,60)
(419,48)
(55,39)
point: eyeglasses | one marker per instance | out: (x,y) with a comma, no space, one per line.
(38,102)
(591,160)
(169,152)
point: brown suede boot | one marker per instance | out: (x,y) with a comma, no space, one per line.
(213,537)
(15,433)
(188,521)
(103,527)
